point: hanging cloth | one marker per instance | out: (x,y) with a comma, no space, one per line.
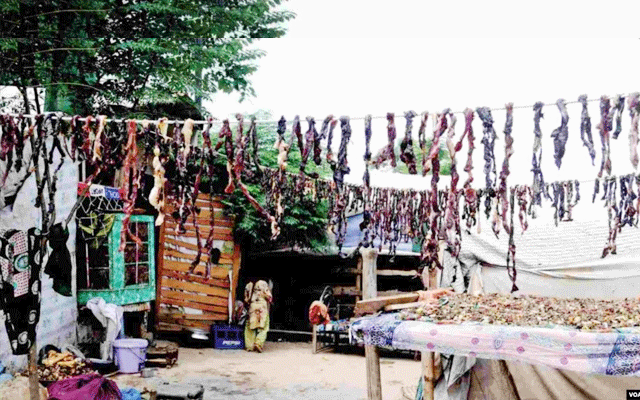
(59,263)
(20,261)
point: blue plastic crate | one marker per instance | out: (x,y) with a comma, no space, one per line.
(227,336)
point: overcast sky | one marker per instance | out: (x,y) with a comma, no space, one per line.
(362,57)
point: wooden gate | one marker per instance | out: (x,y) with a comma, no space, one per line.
(187,300)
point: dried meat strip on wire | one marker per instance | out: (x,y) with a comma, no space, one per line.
(613,216)
(560,135)
(511,253)
(431,246)
(453,233)
(471,201)
(338,218)
(604,127)
(365,226)
(422,140)
(406,146)
(627,210)
(502,194)
(617,110)
(523,194)
(387,153)
(311,143)
(328,128)
(538,188)
(488,140)
(634,110)
(130,184)
(296,133)
(585,128)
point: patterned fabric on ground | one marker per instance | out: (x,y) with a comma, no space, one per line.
(20,286)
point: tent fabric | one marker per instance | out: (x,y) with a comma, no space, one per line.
(562,261)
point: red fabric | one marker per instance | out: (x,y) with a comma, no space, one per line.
(85,387)
(318,313)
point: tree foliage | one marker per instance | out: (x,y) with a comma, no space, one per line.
(305,219)
(88,53)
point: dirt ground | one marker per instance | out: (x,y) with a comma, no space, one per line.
(283,371)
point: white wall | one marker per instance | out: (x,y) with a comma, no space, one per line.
(58,315)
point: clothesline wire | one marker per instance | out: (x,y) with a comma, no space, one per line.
(219,121)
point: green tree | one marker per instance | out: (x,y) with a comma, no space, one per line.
(305,219)
(89,53)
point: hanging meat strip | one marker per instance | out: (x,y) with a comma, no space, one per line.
(156,196)
(471,201)
(614,217)
(560,135)
(333,122)
(98,142)
(238,169)
(422,140)
(523,193)
(617,110)
(387,153)
(296,133)
(511,253)
(367,153)
(226,139)
(504,174)
(406,146)
(585,129)
(311,138)
(342,167)
(488,140)
(130,183)
(433,156)
(338,218)
(366,182)
(452,211)
(431,246)
(605,130)
(634,111)
(538,186)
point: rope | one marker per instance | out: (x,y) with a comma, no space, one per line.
(218,121)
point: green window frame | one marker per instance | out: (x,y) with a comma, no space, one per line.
(118,292)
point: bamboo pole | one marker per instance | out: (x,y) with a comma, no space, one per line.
(369,290)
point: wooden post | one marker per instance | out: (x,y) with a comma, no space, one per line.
(428,358)
(370,290)
(314,339)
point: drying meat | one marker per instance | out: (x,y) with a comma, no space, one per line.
(488,140)
(333,122)
(130,183)
(296,132)
(560,135)
(617,110)
(605,130)
(422,139)
(387,153)
(342,167)
(538,187)
(187,133)
(226,139)
(471,201)
(511,253)
(613,216)
(367,151)
(98,142)
(406,146)
(504,174)
(311,139)
(431,247)
(585,128)
(523,193)
(452,210)
(434,151)
(634,111)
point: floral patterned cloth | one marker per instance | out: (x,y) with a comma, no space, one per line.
(611,353)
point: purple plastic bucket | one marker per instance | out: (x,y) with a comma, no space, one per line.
(130,354)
